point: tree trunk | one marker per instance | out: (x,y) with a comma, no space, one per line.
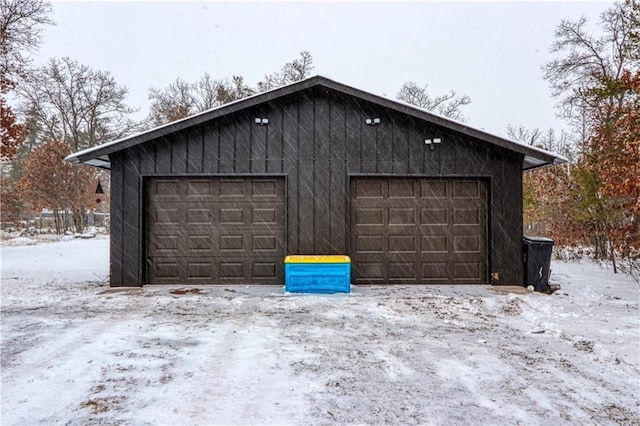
(56,220)
(78,219)
(613,257)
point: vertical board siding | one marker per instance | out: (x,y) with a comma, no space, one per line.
(353,128)
(131,226)
(305,176)
(163,156)
(195,148)
(321,176)
(179,154)
(226,162)
(317,139)
(290,164)
(432,157)
(147,159)
(274,141)
(258,135)
(244,127)
(115,252)
(416,149)
(210,148)
(400,149)
(337,171)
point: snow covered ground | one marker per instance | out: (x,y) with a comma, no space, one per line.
(75,352)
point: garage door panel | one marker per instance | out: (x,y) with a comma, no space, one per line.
(402,216)
(434,243)
(435,271)
(267,188)
(370,271)
(232,188)
(215,230)
(165,188)
(200,244)
(166,242)
(419,230)
(267,270)
(369,216)
(232,270)
(265,243)
(370,188)
(402,243)
(466,270)
(433,189)
(402,270)
(434,216)
(264,215)
(198,215)
(201,189)
(232,243)
(466,189)
(167,215)
(232,216)
(466,216)
(370,243)
(200,269)
(467,244)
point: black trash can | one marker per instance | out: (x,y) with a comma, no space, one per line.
(537,262)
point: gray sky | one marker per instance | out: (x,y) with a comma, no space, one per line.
(490,51)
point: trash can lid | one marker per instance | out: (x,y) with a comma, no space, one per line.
(542,240)
(314,258)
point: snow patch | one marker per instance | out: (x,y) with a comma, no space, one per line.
(75,351)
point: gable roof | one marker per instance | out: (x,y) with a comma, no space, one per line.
(98,156)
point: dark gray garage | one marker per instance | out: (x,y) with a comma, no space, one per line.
(316,167)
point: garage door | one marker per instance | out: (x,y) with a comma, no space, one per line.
(419,231)
(215,230)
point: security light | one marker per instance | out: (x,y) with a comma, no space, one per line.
(261,121)
(368,121)
(437,140)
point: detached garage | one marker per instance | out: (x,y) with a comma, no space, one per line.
(316,167)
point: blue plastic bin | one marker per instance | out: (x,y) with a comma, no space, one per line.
(317,274)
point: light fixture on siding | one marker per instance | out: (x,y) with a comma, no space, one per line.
(431,142)
(372,121)
(261,121)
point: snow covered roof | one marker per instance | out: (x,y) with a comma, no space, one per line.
(98,156)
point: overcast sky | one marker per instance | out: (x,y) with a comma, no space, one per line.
(492,52)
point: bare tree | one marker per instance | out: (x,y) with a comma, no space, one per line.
(181,99)
(76,104)
(293,71)
(448,105)
(548,140)
(174,102)
(584,78)
(21,23)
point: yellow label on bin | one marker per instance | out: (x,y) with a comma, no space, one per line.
(311,258)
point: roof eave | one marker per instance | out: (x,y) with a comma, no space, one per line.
(98,156)
(192,120)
